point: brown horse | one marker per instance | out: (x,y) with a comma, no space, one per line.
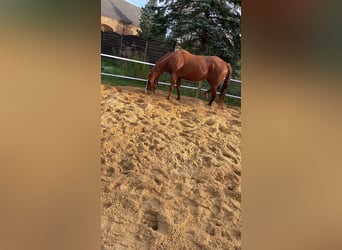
(183,65)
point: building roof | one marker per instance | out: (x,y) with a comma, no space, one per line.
(121,10)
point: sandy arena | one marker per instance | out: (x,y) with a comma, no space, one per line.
(171,172)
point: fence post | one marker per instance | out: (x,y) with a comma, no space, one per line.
(198,88)
(146,47)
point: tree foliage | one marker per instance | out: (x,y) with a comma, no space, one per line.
(152,21)
(206,27)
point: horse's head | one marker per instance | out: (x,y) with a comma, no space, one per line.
(151,83)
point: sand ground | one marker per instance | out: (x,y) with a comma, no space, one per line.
(171,172)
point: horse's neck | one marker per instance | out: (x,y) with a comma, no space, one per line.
(158,70)
(161,66)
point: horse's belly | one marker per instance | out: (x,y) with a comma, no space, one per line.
(194,77)
(194,74)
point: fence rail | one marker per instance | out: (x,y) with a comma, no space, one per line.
(145,80)
(116,44)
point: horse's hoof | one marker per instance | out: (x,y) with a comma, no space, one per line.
(220,106)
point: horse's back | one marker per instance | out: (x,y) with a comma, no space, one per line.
(189,66)
(210,62)
(195,67)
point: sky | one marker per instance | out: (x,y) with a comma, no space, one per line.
(139,3)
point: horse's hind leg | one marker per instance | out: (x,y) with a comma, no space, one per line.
(222,94)
(206,93)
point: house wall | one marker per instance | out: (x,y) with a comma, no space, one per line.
(120,27)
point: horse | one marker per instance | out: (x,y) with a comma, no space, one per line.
(181,64)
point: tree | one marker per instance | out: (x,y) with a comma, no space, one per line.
(145,20)
(152,21)
(206,26)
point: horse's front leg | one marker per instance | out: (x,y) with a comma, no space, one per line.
(173,82)
(213,96)
(178,89)
(171,90)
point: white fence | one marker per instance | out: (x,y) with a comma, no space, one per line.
(145,80)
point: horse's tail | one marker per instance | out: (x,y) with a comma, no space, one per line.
(226,83)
